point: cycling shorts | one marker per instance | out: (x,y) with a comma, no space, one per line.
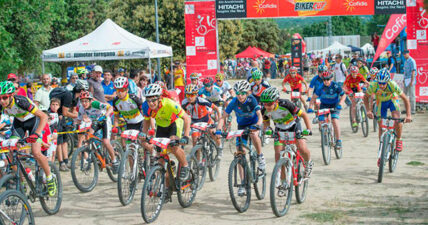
(334,114)
(296,128)
(392,105)
(244,138)
(105,127)
(134,126)
(175,129)
(19,128)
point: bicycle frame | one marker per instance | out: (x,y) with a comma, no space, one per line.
(252,156)
(388,135)
(291,152)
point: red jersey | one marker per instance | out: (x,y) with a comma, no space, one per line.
(295,82)
(352,83)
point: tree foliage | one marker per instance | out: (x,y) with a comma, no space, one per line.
(341,25)
(230,36)
(260,33)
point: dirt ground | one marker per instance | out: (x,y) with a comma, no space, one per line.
(345,192)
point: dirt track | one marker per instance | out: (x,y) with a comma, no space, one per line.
(345,192)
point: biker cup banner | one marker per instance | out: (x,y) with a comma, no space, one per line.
(227,9)
(417,44)
(201,38)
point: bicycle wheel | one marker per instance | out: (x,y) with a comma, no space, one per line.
(213,162)
(118,153)
(281,187)
(325,145)
(354,129)
(187,190)
(84,172)
(15,209)
(7,182)
(259,182)
(374,120)
(303,183)
(50,204)
(71,144)
(239,184)
(127,176)
(364,121)
(383,159)
(393,158)
(200,153)
(153,194)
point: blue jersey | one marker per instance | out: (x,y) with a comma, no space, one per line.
(329,95)
(316,82)
(245,112)
(214,95)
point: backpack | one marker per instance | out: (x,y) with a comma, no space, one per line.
(341,68)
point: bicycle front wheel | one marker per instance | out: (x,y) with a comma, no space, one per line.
(303,183)
(325,145)
(382,160)
(259,181)
(127,177)
(200,154)
(239,184)
(117,147)
(51,204)
(71,144)
(15,209)
(364,121)
(354,129)
(213,162)
(84,169)
(281,187)
(393,158)
(153,194)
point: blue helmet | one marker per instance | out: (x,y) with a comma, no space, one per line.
(383,76)
(322,68)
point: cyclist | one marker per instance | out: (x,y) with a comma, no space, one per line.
(257,87)
(27,118)
(331,96)
(213,93)
(224,86)
(352,86)
(295,81)
(96,111)
(248,114)
(170,119)
(386,92)
(82,73)
(362,68)
(314,84)
(194,79)
(373,72)
(286,117)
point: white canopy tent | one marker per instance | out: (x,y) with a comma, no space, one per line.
(108,42)
(368,49)
(336,48)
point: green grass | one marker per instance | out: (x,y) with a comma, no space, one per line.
(325,216)
(415,163)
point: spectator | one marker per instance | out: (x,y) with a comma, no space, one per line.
(42,95)
(354,60)
(273,69)
(346,61)
(306,63)
(73,79)
(266,68)
(340,74)
(19,90)
(391,63)
(54,82)
(410,79)
(281,67)
(108,86)
(29,91)
(179,80)
(142,83)
(133,79)
(121,72)
(254,65)
(95,86)
(375,40)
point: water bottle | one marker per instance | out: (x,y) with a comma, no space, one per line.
(173,167)
(30,174)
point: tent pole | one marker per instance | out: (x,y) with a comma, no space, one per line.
(43,67)
(150,69)
(171,74)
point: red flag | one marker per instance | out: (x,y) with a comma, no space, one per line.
(395,25)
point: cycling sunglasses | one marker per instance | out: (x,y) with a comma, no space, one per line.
(218,81)
(268,103)
(5,97)
(121,89)
(382,83)
(241,93)
(151,100)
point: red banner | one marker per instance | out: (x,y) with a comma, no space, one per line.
(201,38)
(417,44)
(396,23)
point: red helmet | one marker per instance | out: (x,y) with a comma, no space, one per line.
(326,75)
(293,69)
(353,69)
(208,81)
(161,83)
(85,95)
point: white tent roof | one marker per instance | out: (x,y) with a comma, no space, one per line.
(368,49)
(336,48)
(108,42)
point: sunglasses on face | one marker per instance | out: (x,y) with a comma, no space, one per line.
(151,100)
(207,86)
(5,97)
(326,80)
(241,93)
(190,95)
(269,103)
(121,90)
(381,83)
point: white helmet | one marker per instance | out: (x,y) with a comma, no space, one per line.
(81,85)
(153,90)
(121,82)
(241,86)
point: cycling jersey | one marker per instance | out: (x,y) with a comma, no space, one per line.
(257,90)
(364,71)
(21,108)
(391,92)
(352,83)
(225,88)
(295,82)
(167,113)
(329,95)
(95,111)
(129,107)
(316,82)
(284,114)
(245,112)
(199,110)
(214,95)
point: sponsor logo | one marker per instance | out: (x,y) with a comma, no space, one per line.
(351,5)
(393,31)
(305,5)
(261,6)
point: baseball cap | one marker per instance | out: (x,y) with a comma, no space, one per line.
(98,69)
(12,76)
(121,70)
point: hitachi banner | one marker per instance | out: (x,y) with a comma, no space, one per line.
(390,6)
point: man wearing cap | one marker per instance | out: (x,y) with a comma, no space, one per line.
(95,86)
(42,95)
(410,79)
(19,90)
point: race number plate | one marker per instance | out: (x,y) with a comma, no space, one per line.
(161,142)
(9,144)
(85,126)
(130,134)
(233,134)
(287,137)
(323,112)
(200,126)
(359,95)
(387,124)
(295,94)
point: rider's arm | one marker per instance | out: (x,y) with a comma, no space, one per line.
(313,99)
(367,99)
(187,122)
(305,117)
(306,85)
(109,110)
(66,112)
(259,115)
(43,120)
(217,109)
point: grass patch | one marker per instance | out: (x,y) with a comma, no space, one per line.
(325,216)
(415,163)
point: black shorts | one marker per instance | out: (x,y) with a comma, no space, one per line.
(19,128)
(166,132)
(105,127)
(134,126)
(62,138)
(296,128)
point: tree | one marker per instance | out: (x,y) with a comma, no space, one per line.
(376,20)
(230,36)
(262,34)
(341,25)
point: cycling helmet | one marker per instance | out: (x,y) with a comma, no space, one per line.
(85,95)
(81,71)
(383,76)
(153,90)
(194,76)
(293,69)
(257,75)
(219,76)
(121,82)
(6,87)
(270,94)
(374,70)
(322,68)
(192,89)
(353,69)
(326,75)
(208,81)
(241,86)
(81,85)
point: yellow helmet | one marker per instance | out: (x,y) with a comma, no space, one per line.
(219,76)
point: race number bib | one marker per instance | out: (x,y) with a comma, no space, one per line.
(161,142)
(200,126)
(295,94)
(233,134)
(85,126)
(10,144)
(130,134)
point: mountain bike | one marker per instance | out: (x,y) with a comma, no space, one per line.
(162,180)
(90,158)
(328,139)
(15,209)
(289,171)
(133,167)
(243,173)
(360,114)
(387,151)
(15,170)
